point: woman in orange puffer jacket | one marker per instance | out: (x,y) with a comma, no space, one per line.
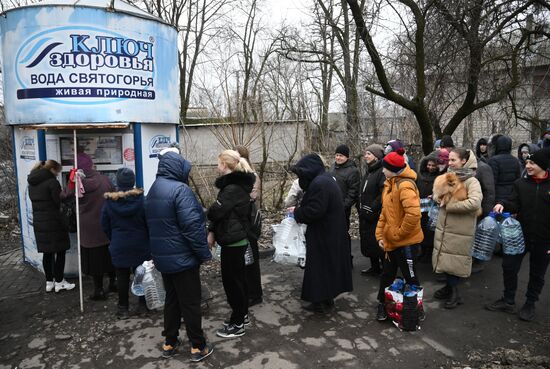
(398,231)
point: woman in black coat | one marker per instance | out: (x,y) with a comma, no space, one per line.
(52,237)
(229,217)
(370,206)
(253,273)
(328,268)
(427,174)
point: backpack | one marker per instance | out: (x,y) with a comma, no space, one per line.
(414,185)
(68,214)
(255,220)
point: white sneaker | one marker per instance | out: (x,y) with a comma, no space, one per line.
(63,285)
(49,286)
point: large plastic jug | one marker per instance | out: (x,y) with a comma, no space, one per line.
(512,236)
(153,287)
(286,226)
(485,238)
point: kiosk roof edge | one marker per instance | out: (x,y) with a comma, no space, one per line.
(118,6)
(74,126)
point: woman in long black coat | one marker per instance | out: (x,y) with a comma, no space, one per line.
(370,207)
(328,268)
(51,234)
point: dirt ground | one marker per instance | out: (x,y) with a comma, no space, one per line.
(48,331)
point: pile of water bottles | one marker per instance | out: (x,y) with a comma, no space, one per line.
(498,228)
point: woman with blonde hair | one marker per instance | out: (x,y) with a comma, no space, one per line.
(229,224)
(253,273)
(52,236)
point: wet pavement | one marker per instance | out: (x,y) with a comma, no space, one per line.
(47,330)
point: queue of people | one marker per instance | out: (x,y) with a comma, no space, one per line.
(123,227)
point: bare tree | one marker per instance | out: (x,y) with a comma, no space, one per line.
(198,24)
(492,34)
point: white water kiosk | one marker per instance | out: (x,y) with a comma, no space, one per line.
(100,72)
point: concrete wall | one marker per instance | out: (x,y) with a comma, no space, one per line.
(202,143)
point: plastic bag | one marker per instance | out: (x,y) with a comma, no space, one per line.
(290,243)
(404,304)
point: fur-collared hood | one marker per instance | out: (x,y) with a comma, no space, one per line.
(125,203)
(242,179)
(115,196)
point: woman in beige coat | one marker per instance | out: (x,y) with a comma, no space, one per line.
(456,227)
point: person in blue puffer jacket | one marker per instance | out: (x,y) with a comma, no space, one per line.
(123,221)
(177,235)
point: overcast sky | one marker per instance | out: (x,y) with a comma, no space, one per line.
(291,11)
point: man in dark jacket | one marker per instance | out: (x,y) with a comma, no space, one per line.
(506,168)
(447,143)
(530,200)
(347,176)
(484,175)
(177,234)
(524,150)
(370,206)
(328,267)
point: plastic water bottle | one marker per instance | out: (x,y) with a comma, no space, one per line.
(433,214)
(286,226)
(397,285)
(485,238)
(248,256)
(512,236)
(153,287)
(137,283)
(217,254)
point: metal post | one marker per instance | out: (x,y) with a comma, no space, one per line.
(76,192)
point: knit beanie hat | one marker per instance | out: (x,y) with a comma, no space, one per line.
(376,150)
(540,158)
(342,149)
(395,146)
(84,161)
(437,144)
(443,157)
(394,162)
(447,141)
(125,179)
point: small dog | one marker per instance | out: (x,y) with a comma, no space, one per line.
(448,188)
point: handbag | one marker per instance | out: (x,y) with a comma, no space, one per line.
(68,214)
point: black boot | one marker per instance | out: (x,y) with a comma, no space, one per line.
(443,293)
(454,300)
